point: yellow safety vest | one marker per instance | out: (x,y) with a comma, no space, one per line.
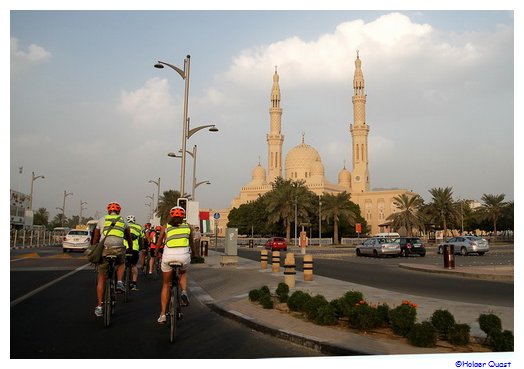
(177,236)
(118,228)
(136,230)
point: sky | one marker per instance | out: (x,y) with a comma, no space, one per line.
(90,112)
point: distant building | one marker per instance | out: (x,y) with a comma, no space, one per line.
(303,162)
(21,215)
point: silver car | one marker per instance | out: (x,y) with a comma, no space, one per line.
(465,245)
(379,246)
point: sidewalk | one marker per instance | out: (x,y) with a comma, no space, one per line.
(225,290)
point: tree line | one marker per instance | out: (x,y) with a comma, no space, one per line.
(273,213)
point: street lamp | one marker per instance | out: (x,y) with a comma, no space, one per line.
(150,215)
(82,203)
(198,184)
(63,206)
(158,192)
(186,132)
(319,220)
(152,201)
(185,76)
(34,178)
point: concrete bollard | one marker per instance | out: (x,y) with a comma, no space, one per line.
(263,259)
(289,270)
(308,267)
(275,262)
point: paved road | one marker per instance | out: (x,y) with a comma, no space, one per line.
(384,273)
(58,321)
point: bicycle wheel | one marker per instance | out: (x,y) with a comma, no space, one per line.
(108,304)
(173,312)
(126,282)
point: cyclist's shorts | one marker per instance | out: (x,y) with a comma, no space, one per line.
(184,259)
(134,256)
(118,251)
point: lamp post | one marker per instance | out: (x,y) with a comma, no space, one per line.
(296,205)
(149,210)
(158,192)
(152,202)
(185,76)
(198,184)
(319,220)
(82,203)
(34,178)
(63,206)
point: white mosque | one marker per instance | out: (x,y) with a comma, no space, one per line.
(303,162)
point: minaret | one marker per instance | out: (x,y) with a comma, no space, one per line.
(274,138)
(359,133)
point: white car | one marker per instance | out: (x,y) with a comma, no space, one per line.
(76,240)
(465,245)
(379,246)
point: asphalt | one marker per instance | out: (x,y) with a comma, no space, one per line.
(223,283)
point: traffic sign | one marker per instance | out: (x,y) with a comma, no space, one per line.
(216,215)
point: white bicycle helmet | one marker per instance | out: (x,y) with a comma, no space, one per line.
(131,219)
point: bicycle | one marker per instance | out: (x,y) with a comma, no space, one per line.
(175,304)
(110,290)
(127,277)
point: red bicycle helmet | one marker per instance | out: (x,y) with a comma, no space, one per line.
(113,207)
(177,211)
(158,228)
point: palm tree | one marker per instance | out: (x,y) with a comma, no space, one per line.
(443,207)
(493,208)
(335,207)
(407,216)
(282,200)
(165,203)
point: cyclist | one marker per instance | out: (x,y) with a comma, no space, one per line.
(144,248)
(115,230)
(178,245)
(153,238)
(136,236)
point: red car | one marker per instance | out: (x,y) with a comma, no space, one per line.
(276,244)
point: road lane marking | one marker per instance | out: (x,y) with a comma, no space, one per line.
(41,288)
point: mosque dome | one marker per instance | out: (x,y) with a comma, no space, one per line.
(344,177)
(317,168)
(259,173)
(299,161)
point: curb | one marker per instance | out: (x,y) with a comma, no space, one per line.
(463,273)
(306,341)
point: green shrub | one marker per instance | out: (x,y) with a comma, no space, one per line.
(283,297)
(422,335)
(311,306)
(297,300)
(264,290)
(502,341)
(352,297)
(442,320)
(266,301)
(458,334)
(344,305)
(254,295)
(490,324)
(364,317)
(282,289)
(337,304)
(402,318)
(326,315)
(383,315)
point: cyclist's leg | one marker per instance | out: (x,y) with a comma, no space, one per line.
(134,268)
(152,260)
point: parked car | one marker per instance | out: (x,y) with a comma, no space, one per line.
(276,244)
(411,246)
(76,240)
(465,245)
(379,246)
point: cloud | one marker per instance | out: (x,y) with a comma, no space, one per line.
(22,60)
(149,106)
